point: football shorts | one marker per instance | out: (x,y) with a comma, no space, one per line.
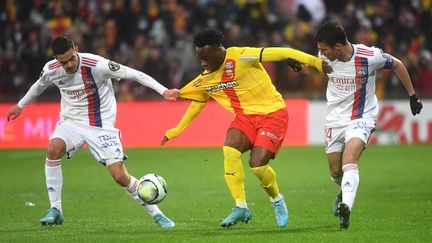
(104,143)
(266,131)
(337,137)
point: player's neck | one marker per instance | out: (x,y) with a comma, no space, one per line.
(347,52)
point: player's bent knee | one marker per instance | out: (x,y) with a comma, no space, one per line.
(56,149)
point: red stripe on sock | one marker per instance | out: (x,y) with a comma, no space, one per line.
(133,188)
(350,166)
(52,162)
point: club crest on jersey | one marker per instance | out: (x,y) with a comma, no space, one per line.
(113,66)
(361,71)
(88,81)
(229,64)
(229,71)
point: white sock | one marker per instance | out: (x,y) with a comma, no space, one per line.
(279,197)
(350,182)
(54,182)
(132,190)
(242,205)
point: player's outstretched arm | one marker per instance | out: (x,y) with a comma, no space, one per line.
(124,72)
(35,90)
(400,70)
(13,113)
(272,54)
(193,110)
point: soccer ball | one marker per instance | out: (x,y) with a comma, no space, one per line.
(152,188)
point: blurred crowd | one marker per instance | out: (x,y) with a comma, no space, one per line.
(155,36)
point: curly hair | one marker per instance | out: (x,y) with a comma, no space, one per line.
(208,36)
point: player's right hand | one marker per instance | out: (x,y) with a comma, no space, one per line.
(164,140)
(13,112)
(171,94)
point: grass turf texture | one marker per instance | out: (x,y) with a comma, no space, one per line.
(394,201)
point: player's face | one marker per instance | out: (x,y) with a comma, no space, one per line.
(69,60)
(211,57)
(331,53)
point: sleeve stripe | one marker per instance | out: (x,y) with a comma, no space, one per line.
(260,59)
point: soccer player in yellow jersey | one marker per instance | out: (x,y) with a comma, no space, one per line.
(235,78)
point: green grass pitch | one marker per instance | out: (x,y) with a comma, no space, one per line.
(394,200)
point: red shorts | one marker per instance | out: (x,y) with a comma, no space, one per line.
(266,131)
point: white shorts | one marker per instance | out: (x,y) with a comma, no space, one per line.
(104,143)
(337,137)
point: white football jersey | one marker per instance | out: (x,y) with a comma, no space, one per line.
(351,85)
(87,96)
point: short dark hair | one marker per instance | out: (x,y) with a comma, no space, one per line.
(331,33)
(208,36)
(61,44)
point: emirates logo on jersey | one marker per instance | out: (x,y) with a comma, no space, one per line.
(80,94)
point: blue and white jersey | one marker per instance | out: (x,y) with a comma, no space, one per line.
(351,86)
(87,96)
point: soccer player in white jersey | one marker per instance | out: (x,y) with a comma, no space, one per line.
(87,116)
(352,107)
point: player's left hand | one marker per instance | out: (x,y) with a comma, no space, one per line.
(164,140)
(326,67)
(293,64)
(171,94)
(415,104)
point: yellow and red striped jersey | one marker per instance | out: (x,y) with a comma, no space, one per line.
(241,84)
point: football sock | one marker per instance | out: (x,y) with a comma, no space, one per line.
(54,182)
(267,176)
(132,190)
(277,198)
(152,209)
(234,175)
(350,181)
